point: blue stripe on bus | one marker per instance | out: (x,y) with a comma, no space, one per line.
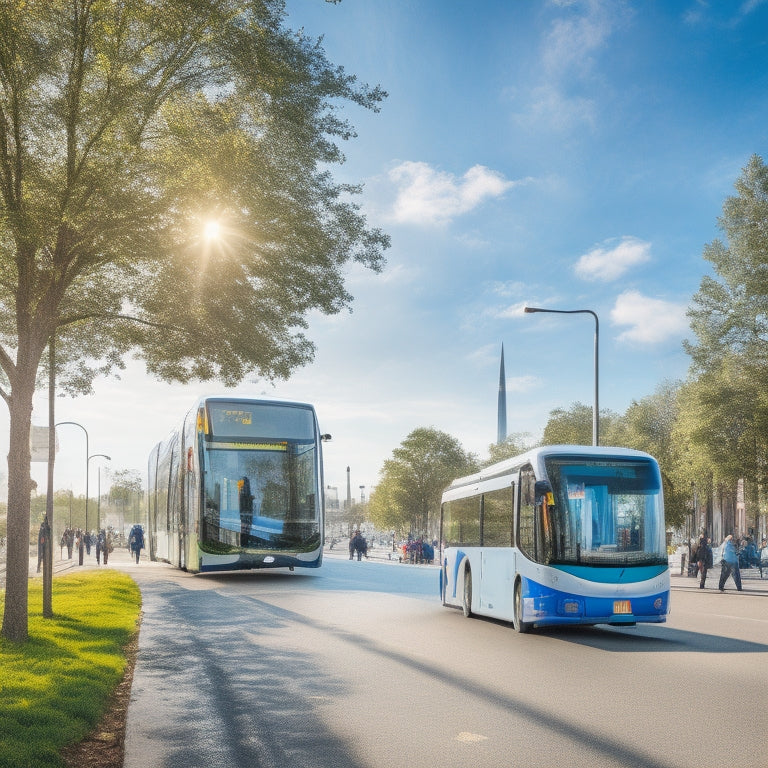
(459,557)
(547,606)
(613,575)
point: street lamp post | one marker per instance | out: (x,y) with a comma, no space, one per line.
(87,460)
(98,501)
(596,406)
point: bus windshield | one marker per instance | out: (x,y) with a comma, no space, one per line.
(260,479)
(606,512)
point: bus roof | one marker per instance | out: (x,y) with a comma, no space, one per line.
(535,457)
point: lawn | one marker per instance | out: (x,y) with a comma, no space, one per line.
(55,687)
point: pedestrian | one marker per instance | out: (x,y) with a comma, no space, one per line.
(42,536)
(68,541)
(101,544)
(729,564)
(704,557)
(136,541)
(763,556)
(361,545)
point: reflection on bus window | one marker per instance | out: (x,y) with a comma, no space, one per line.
(261,497)
(607,513)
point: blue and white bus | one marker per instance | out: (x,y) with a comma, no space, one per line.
(238,485)
(563,534)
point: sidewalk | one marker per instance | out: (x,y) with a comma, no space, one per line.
(119,558)
(750,580)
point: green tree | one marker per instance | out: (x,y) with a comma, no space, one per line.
(729,313)
(407,497)
(574,426)
(514,445)
(725,415)
(649,425)
(125,493)
(124,126)
(388,507)
(724,421)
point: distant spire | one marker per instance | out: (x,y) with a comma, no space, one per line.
(502,432)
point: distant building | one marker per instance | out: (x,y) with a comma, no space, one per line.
(501,435)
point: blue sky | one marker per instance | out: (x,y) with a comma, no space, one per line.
(568,155)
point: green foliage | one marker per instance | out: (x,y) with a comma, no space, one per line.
(407,498)
(126,486)
(124,127)
(729,314)
(724,417)
(56,686)
(574,426)
(514,445)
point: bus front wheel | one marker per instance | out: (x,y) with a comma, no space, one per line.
(520,625)
(466,603)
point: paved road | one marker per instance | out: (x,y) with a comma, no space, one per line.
(358,664)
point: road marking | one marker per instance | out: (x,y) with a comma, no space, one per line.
(470,738)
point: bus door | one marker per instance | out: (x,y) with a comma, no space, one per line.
(497,559)
(497,581)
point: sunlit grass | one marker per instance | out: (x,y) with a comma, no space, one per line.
(54,687)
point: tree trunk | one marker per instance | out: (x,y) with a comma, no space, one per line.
(15,618)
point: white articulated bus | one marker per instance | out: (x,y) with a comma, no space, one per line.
(238,485)
(563,534)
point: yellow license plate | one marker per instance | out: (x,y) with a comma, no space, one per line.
(622,606)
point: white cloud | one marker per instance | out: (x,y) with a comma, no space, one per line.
(612,259)
(563,93)
(551,107)
(513,310)
(429,196)
(522,383)
(650,321)
(574,38)
(508,289)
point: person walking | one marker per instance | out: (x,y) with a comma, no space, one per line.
(704,557)
(107,546)
(42,537)
(730,564)
(101,544)
(136,541)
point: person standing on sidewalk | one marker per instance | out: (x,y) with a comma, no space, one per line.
(730,564)
(42,537)
(704,556)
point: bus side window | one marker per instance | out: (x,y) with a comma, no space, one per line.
(461,522)
(526,529)
(497,517)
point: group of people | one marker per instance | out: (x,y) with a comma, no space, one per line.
(77,540)
(703,556)
(418,551)
(82,541)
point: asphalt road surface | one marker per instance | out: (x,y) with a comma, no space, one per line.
(358,664)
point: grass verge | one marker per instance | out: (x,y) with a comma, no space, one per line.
(55,687)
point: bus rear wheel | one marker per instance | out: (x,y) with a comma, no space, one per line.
(466,603)
(520,625)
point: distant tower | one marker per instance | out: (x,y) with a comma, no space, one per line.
(349,492)
(502,432)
